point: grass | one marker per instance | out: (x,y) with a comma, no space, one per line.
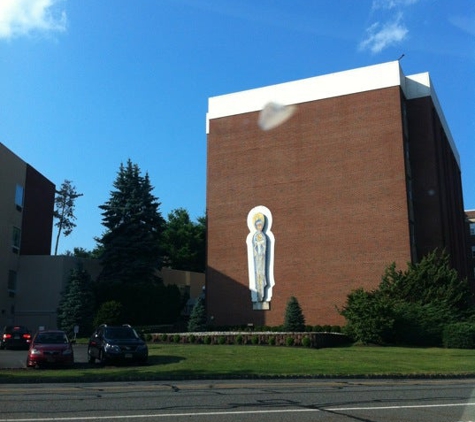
(178,361)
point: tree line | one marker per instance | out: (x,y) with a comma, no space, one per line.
(136,243)
(425,305)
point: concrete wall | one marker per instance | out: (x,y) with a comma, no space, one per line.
(41,279)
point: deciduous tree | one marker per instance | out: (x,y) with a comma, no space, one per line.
(184,242)
(65,202)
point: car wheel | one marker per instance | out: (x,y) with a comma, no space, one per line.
(90,358)
(102,358)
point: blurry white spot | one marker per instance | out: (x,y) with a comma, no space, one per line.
(431,192)
(273,115)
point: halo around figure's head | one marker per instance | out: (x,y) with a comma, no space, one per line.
(259,217)
(259,213)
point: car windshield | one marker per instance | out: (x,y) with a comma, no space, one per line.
(119,333)
(16,329)
(51,338)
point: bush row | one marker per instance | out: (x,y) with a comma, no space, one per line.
(305,339)
(459,336)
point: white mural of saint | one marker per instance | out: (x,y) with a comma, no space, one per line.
(260,250)
(259,244)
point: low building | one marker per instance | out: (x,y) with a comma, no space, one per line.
(470,215)
(26,225)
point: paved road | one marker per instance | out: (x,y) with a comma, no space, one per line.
(248,401)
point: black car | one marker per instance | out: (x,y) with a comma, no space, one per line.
(116,344)
(15,337)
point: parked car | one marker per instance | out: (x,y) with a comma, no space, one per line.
(50,348)
(116,344)
(15,337)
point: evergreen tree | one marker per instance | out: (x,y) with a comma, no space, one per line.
(410,307)
(130,247)
(77,303)
(184,242)
(197,321)
(294,318)
(432,280)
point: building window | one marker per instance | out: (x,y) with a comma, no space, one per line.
(19,197)
(12,278)
(472,229)
(16,238)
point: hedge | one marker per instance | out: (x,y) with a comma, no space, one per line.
(316,340)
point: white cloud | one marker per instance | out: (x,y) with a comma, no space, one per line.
(22,17)
(382,36)
(389,28)
(464,23)
(390,4)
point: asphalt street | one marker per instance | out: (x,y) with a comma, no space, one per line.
(243,400)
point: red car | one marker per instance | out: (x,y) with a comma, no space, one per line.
(15,337)
(50,348)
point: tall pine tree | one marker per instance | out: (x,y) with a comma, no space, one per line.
(130,247)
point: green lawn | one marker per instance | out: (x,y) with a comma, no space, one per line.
(177,361)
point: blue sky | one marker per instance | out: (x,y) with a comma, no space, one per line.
(86,85)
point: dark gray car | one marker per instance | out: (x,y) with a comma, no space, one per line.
(116,344)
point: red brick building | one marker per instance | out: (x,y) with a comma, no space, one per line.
(363,174)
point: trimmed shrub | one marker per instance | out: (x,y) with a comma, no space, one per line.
(421,325)
(289,341)
(459,336)
(271,341)
(255,340)
(207,340)
(306,342)
(222,340)
(239,339)
(110,312)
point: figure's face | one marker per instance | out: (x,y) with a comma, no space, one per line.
(259,226)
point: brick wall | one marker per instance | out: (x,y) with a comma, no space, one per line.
(333,177)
